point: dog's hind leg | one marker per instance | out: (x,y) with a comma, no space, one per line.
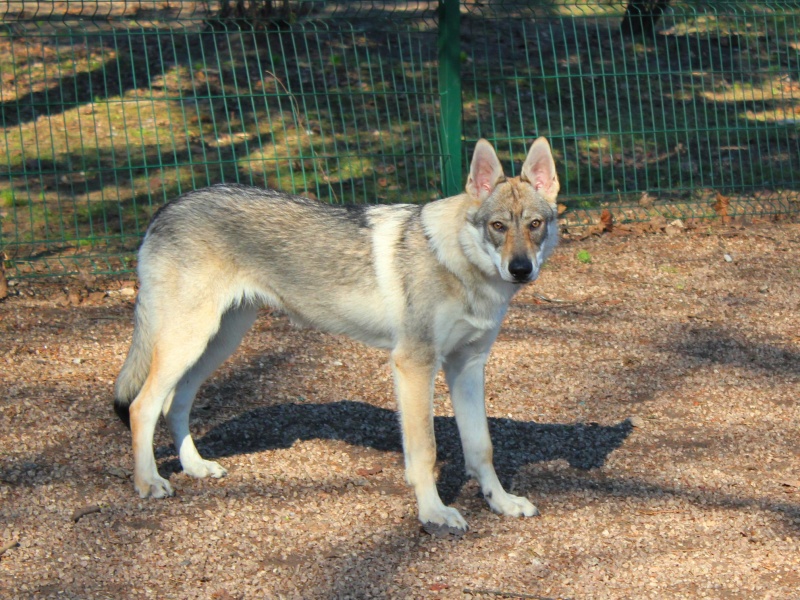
(234,324)
(180,339)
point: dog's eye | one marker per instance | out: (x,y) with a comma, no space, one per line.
(498,226)
(535,224)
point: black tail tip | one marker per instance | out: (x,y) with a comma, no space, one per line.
(123,412)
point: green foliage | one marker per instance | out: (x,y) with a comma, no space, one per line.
(583,256)
(101,130)
(9,198)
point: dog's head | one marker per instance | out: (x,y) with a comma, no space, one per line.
(514,219)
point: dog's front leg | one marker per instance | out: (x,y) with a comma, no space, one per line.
(414,372)
(465,377)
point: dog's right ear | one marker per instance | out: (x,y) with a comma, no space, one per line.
(485,172)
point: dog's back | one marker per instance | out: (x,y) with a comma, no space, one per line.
(430,283)
(316,262)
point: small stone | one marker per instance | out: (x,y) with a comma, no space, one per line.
(676,227)
(727,257)
(119,472)
(636,421)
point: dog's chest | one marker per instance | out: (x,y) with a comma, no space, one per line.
(458,327)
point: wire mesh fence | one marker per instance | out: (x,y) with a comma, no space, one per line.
(111,109)
(694,114)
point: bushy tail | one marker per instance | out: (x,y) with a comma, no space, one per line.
(136,367)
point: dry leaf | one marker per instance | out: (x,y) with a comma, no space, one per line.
(368,472)
(3,282)
(607,219)
(95,297)
(591,230)
(721,206)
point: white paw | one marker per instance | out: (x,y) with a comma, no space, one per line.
(204,468)
(510,505)
(154,486)
(443,520)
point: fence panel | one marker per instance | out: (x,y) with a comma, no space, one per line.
(111,109)
(700,111)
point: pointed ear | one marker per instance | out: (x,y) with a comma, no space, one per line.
(485,172)
(540,170)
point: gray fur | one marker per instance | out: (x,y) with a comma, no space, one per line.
(430,283)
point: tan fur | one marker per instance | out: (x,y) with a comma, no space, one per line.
(429,283)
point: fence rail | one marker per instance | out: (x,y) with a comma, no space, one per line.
(110,109)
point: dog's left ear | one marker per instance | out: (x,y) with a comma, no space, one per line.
(540,170)
(485,172)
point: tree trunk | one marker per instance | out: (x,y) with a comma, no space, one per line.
(641,16)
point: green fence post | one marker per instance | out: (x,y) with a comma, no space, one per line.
(450,95)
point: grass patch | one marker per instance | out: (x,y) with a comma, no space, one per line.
(10,199)
(101,130)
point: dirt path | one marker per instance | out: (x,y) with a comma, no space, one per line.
(651,415)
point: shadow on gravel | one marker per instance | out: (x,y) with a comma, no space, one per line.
(718,345)
(516,443)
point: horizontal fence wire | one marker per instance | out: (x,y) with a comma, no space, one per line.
(695,113)
(109,116)
(111,109)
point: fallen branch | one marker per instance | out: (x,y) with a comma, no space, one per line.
(507,594)
(552,300)
(8,546)
(82,512)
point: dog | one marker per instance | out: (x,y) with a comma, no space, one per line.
(431,283)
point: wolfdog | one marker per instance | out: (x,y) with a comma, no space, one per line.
(431,283)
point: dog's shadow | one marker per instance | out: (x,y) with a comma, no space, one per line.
(516,443)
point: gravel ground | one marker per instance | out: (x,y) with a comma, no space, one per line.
(651,414)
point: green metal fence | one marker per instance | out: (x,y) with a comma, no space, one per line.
(110,109)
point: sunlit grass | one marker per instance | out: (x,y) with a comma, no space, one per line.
(338,116)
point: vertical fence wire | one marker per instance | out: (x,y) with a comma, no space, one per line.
(111,109)
(698,112)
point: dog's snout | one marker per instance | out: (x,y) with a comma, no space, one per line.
(520,267)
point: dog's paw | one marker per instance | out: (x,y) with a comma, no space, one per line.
(511,505)
(444,521)
(205,468)
(154,487)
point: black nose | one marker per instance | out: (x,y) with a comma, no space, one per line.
(520,267)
